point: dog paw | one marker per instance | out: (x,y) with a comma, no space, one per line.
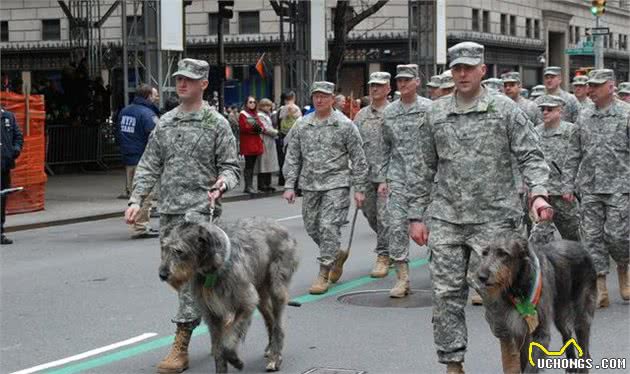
(233,359)
(273,364)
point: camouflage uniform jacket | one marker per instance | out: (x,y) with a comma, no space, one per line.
(571,108)
(471,149)
(400,137)
(320,154)
(370,121)
(531,109)
(555,144)
(586,103)
(598,161)
(187,152)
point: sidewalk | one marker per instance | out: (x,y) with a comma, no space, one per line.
(72,198)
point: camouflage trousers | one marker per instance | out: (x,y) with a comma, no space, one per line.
(324,212)
(454,260)
(605,228)
(565,219)
(374,211)
(398,223)
(187,310)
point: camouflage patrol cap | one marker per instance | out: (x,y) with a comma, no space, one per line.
(537,91)
(551,101)
(193,69)
(511,77)
(379,77)
(467,53)
(407,71)
(624,88)
(323,87)
(446,80)
(552,70)
(434,81)
(579,80)
(493,83)
(599,76)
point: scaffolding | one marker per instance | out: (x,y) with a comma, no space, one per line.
(422,28)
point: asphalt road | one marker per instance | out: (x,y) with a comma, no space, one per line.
(77,288)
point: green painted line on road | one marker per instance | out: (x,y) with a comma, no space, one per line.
(168,340)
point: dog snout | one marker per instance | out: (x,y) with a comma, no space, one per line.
(483,277)
(164,274)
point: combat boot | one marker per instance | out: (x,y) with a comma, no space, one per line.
(320,285)
(624,282)
(454,368)
(381,267)
(337,269)
(602,292)
(177,359)
(401,288)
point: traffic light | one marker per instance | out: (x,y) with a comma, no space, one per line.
(225,10)
(598,7)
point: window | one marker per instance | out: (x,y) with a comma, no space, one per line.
(4,31)
(503,24)
(577,34)
(135,26)
(537,29)
(571,35)
(486,21)
(51,29)
(513,25)
(528,27)
(475,19)
(605,41)
(248,23)
(213,24)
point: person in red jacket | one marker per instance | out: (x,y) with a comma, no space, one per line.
(251,144)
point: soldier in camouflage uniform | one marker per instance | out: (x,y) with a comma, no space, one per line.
(467,140)
(624,92)
(598,166)
(370,121)
(494,84)
(446,83)
(512,88)
(555,135)
(552,80)
(322,145)
(192,151)
(537,91)
(434,87)
(580,90)
(402,120)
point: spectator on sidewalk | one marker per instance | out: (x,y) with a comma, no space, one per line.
(278,118)
(12,141)
(267,163)
(135,123)
(251,144)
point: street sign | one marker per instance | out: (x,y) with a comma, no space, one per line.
(579,51)
(598,31)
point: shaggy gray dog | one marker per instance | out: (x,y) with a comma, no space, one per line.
(234,269)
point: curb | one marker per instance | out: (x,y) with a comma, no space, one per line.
(102,216)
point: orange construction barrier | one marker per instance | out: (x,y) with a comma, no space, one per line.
(29,171)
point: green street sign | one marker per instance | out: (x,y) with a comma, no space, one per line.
(579,51)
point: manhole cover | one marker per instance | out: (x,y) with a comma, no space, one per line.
(380,299)
(333,371)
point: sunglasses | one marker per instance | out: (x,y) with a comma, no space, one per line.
(251,102)
(547,109)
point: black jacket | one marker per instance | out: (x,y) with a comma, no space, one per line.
(11,141)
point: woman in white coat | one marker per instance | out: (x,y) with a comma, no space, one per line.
(267,163)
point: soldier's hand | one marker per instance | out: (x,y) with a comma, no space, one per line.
(217,190)
(541,210)
(131,214)
(359,198)
(569,197)
(382,190)
(419,232)
(289,196)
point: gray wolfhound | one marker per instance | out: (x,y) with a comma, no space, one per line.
(558,280)
(234,269)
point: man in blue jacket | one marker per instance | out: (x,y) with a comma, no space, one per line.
(11,141)
(135,123)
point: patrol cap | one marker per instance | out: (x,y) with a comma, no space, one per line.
(467,53)
(434,81)
(324,87)
(599,76)
(379,77)
(493,83)
(511,77)
(193,69)
(579,80)
(407,71)
(552,70)
(624,88)
(551,101)
(537,91)
(446,80)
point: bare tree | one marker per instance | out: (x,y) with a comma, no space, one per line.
(345,19)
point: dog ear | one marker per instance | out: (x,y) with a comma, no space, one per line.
(519,247)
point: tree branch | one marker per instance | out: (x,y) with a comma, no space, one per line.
(365,14)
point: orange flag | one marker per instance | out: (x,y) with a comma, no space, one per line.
(260,66)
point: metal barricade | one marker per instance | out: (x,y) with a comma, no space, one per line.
(67,145)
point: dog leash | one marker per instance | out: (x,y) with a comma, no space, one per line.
(354,221)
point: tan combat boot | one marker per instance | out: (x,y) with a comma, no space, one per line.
(454,368)
(624,282)
(401,288)
(602,292)
(476,299)
(381,267)
(320,285)
(177,359)
(337,269)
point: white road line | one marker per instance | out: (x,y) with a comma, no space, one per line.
(288,218)
(87,354)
